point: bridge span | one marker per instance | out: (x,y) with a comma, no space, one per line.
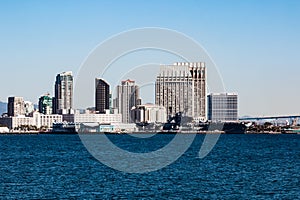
(270,117)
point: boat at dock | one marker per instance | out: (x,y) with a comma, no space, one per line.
(64,128)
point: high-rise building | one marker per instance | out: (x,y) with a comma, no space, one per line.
(15,106)
(45,104)
(181,87)
(63,99)
(102,96)
(223,107)
(127,97)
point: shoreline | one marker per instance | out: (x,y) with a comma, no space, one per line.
(112,133)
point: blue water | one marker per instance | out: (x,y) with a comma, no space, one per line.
(239,167)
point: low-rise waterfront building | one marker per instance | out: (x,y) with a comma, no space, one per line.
(91,117)
(36,120)
(112,128)
(46,121)
(149,113)
(4,130)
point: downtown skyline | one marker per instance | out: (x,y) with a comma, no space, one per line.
(254,44)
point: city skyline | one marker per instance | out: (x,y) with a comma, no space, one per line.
(254,44)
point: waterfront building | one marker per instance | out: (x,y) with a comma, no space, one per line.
(15,106)
(63,99)
(181,87)
(4,130)
(35,119)
(149,113)
(223,107)
(16,122)
(102,96)
(45,104)
(127,97)
(93,118)
(46,120)
(113,128)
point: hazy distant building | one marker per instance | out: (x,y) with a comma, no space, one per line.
(149,113)
(181,87)
(28,107)
(63,99)
(102,96)
(45,104)
(15,106)
(127,97)
(223,107)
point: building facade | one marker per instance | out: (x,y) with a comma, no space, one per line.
(15,106)
(181,87)
(102,96)
(127,97)
(47,120)
(223,107)
(93,118)
(149,113)
(36,119)
(45,104)
(28,107)
(63,99)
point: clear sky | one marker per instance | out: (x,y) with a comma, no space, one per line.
(254,43)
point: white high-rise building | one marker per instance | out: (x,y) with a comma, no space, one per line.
(127,97)
(15,106)
(181,87)
(63,100)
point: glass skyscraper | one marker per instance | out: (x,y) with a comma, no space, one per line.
(102,96)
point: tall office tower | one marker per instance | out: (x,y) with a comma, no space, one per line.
(45,104)
(181,87)
(63,99)
(223,107)
(102,96)
(127,97)
(15,106)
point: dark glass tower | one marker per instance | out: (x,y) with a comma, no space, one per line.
(101,96)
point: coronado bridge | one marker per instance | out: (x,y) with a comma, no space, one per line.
(293,118)
(269,117)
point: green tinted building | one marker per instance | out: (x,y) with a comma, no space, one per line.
(45,104)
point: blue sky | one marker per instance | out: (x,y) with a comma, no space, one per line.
(255,44)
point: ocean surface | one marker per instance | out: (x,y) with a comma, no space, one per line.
(239,167)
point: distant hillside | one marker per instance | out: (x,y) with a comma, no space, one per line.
(3,107)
